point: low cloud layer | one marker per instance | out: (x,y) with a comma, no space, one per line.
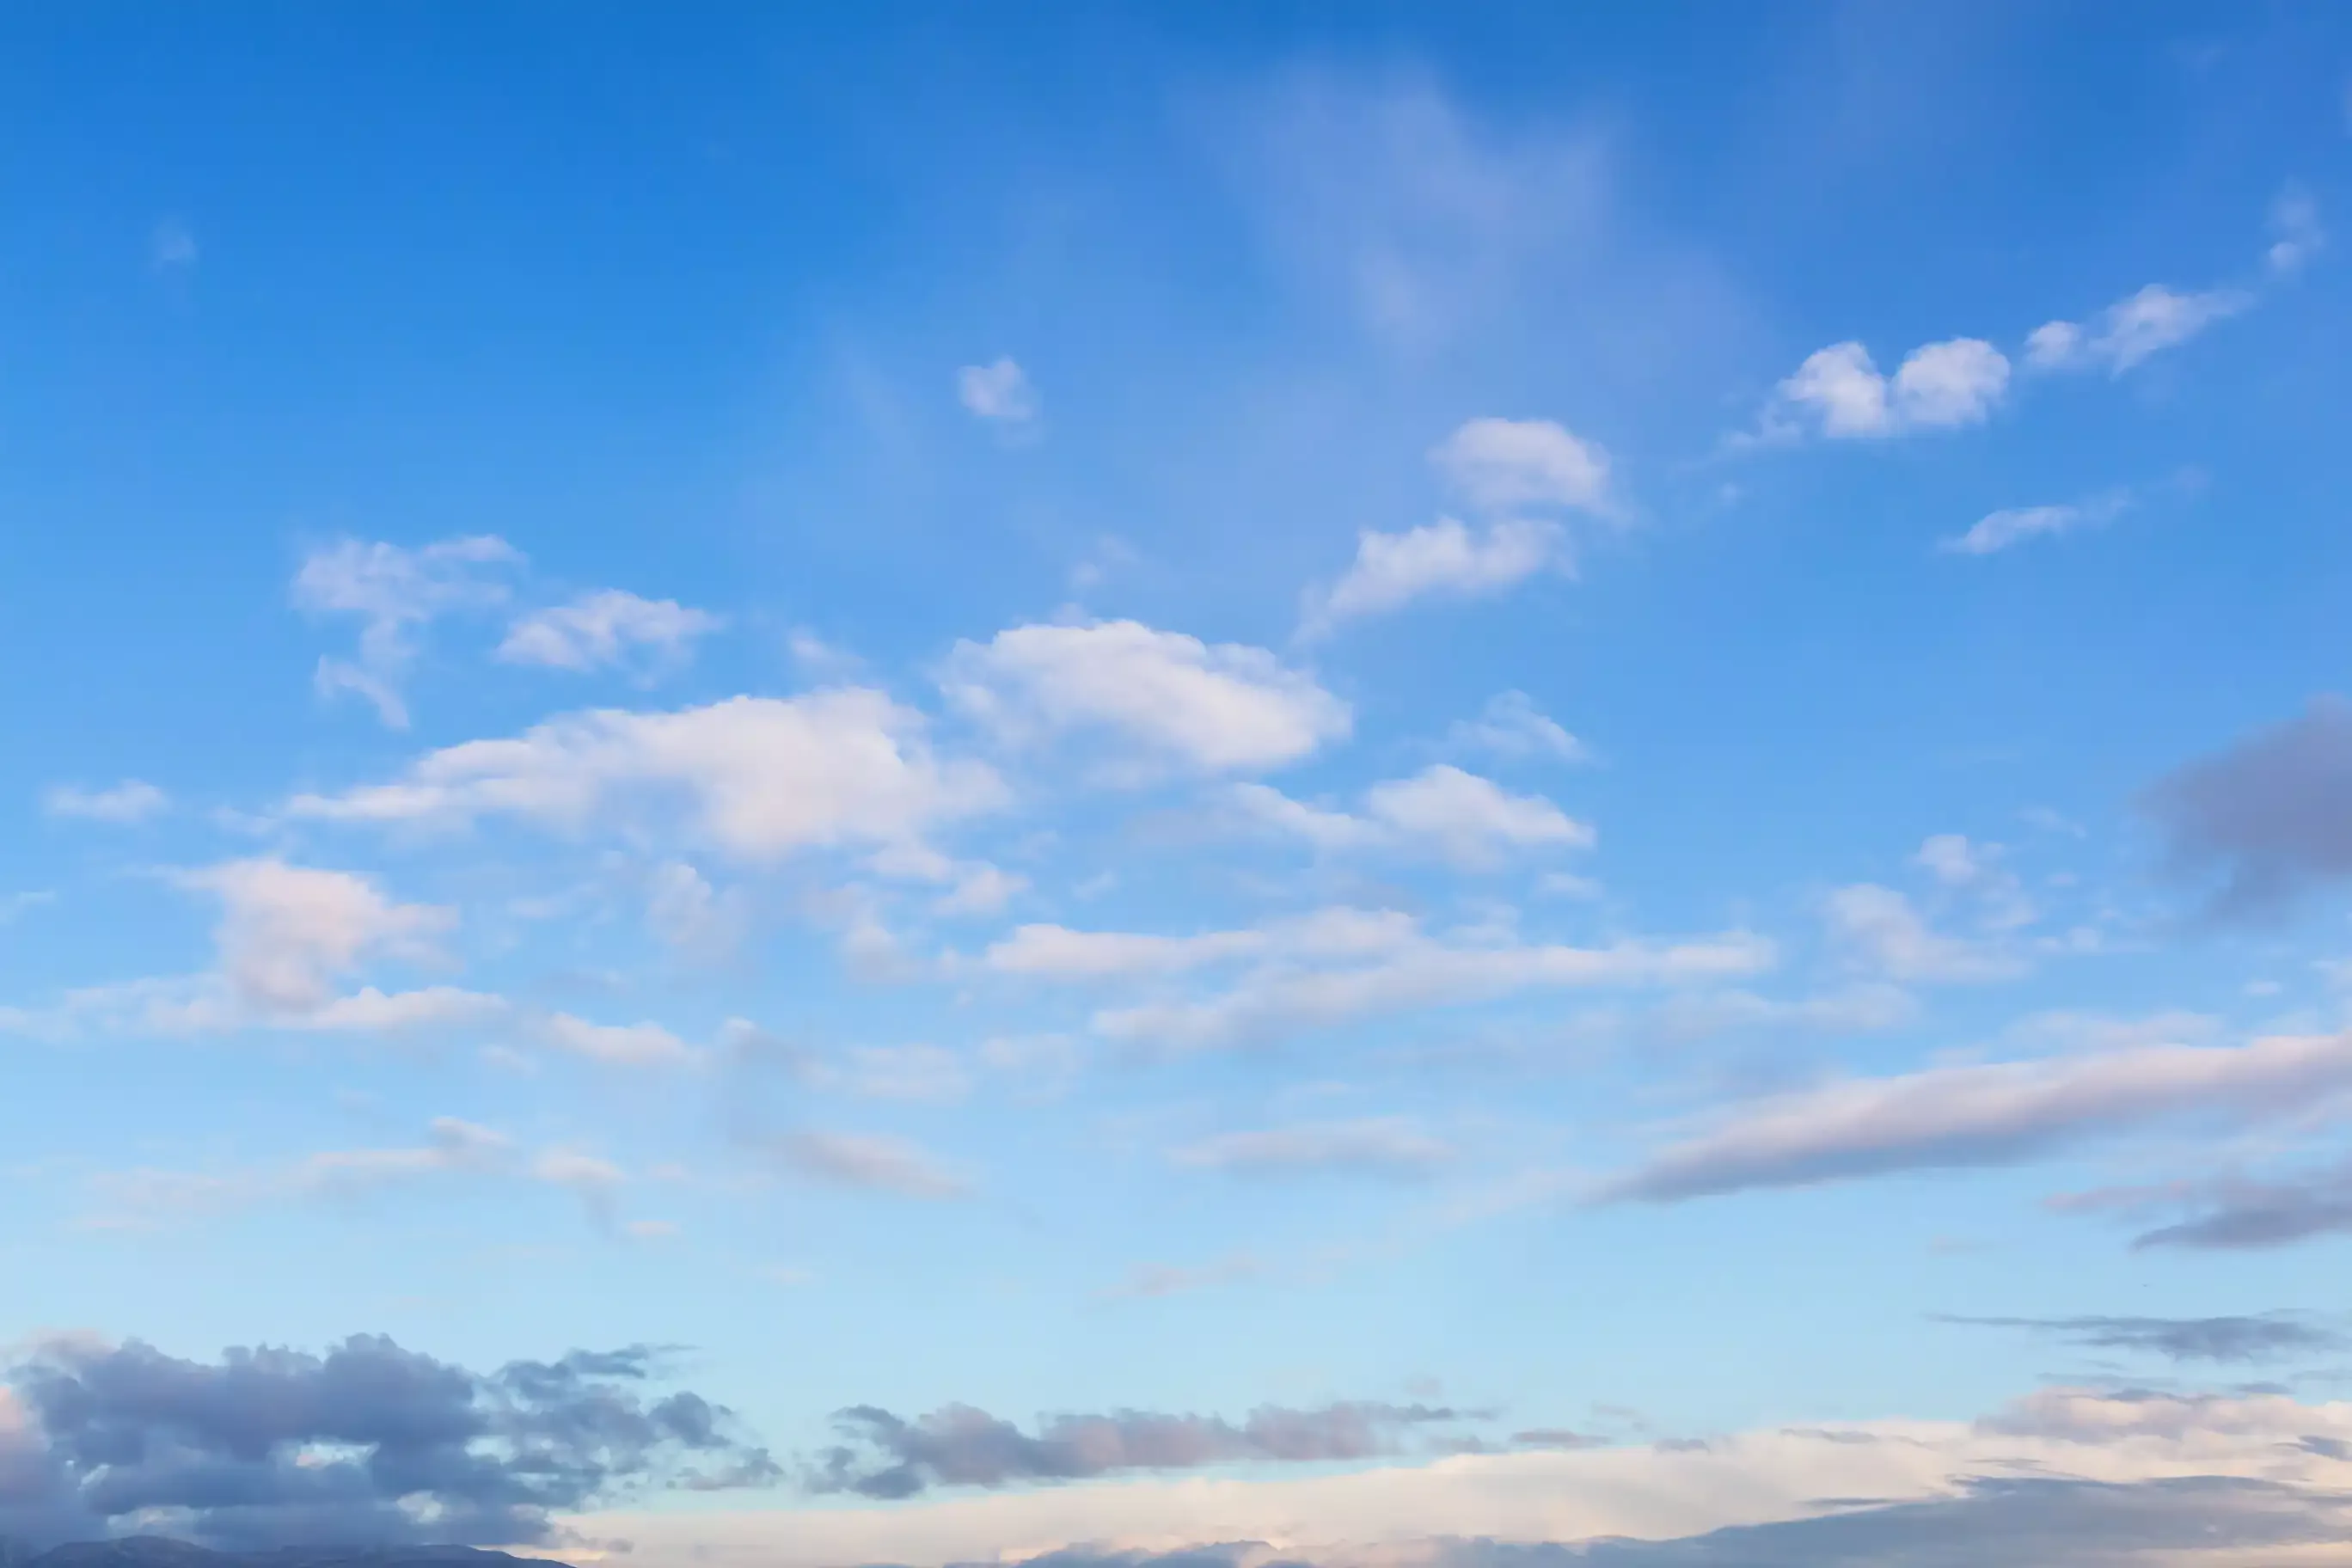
(369,1444)
(886,1456)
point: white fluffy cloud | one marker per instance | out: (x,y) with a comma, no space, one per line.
(760,777)
(1508,465)
(287,933)
(1469,821)
(132,800)
(1160,699)
(393,592)
(604,629)
(999,393)
(2131,329)
(2296,236)
(1443,558)
(1839,392)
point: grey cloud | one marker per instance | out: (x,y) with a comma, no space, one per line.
(2226,1338)
(2049,1523)
(2239,1214)
(2270,816)
(1558,1437)
(887,1455)
(369,1444)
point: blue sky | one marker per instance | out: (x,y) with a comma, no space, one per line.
(1455,722)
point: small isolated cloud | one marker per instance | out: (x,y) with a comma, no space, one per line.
(1468,821)
(2264,1337)
(368,1445)
(132,800)
(1998,530)
(2296,233)
(1157,700)
(1881,930)
(1512,726)
(1515,465)
(2269,817)
(1993,1114)
(1378,1146)
(1440,559)
(885,1456)
(395,593)
(2131,329)
(286,934)
(171,246)
(871,1162)
(1840,393)
(999,393)
(604,629)
(616,1044)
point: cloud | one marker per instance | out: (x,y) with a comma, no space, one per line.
(2181,1338)
(761,777)
(132,800)
(143,1198)
(888,1457)
(1440,559)
(367,1445)
(1998,530)
(1510,465)
(1512,726)
(1410,971)
(1992,1113)
(617,1045)
(2296,234)
(999,393)
(868,1161)
(1838,392)
(2131,329)
(1169,699)
(2271,815)
(2232,1213)
(395,593)
(1381,1146)
(1463,818)
(1058,952)
(1879,929)
(602,629)
(287,933)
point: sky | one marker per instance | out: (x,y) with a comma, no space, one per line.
(1407,786)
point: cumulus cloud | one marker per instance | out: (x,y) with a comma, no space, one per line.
(368,1445)
(1159,700)
(1512,726)
(132,800)
(1992,1113)
(1381,1146)
(2228,1339)
(1998,530)
(1469,821)
(886,1456)
(395,593)
(999,393)
(604,629)
(1882,932)
(869,1161)
(760,778)
(1444,558)
(2270,816)
(617,1045)
(1512,465)
(1840,393)
(2131,329)
(287,933)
